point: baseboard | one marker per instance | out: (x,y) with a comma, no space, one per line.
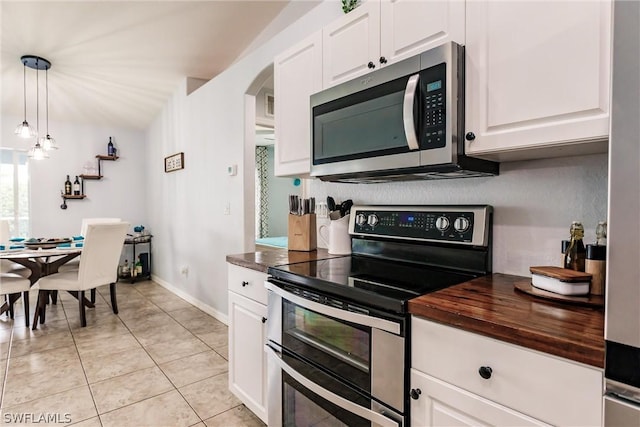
(191,300)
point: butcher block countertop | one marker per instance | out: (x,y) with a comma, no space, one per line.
(488,306)
(491,306)
(266,257)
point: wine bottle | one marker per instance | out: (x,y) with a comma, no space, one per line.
(110,148)
(76,187)
(67,187)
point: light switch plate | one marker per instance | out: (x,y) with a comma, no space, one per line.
(232,170)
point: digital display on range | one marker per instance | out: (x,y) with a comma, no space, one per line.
(434,86)
(407,218)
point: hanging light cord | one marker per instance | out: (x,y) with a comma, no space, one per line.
(46,77)
(24,87)
(37,99)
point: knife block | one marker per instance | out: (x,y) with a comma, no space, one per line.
(302,233)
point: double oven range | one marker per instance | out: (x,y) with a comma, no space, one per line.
(339,330)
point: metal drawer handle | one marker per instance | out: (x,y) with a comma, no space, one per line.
(415,393)
(485,372)
(245,283)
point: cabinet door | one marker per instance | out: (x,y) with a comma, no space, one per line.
(537,78)
(350,43)
(297,75)
(409,27)
(247,359)
(441,404)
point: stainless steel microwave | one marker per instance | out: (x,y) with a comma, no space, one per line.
(404,121)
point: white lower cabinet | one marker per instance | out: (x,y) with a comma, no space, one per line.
(462,378)
(247,337)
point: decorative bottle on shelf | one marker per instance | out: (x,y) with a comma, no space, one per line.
(67,187)
(76,187)
(596,262)
(110,148)
(575,254)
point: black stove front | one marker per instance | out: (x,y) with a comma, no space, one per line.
(338,328)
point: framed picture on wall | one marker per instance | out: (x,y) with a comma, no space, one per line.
(174,162)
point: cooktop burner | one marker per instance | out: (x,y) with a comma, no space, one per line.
(387,285)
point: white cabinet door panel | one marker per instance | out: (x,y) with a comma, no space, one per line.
(409,27)
(350,43)
(247,359)
(537,73)
(297,75)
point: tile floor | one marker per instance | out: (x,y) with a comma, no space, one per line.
(159,362)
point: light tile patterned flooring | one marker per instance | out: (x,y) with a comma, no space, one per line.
(159,362)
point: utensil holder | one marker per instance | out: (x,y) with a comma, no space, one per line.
(302,233)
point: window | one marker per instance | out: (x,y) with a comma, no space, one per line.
(14,190)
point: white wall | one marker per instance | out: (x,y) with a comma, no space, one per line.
(535,202)
(186,208)
(121,193)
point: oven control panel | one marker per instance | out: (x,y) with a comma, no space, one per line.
(448,224)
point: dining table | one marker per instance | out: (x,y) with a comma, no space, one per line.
(41,262)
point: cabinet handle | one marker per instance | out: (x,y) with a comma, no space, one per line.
(383,60)
(245,283)
(264,320)
(470,136)
(415,393)
(485,372)
(371,65)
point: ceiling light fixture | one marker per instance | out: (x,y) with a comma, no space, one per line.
(37,63)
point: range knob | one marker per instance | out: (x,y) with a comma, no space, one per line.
(373,220)
(361,219)
(442,223)
(461,224)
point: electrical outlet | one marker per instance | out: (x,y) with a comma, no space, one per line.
(321,210)
(185,270)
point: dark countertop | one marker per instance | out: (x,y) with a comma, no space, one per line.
(266,257)
(488,306)
(491,306)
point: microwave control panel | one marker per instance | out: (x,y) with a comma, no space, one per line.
(433,91)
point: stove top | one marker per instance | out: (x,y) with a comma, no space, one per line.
(399,253)
(385,285)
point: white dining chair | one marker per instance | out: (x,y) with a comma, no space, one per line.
(5,265)
(98,266)
(74,264)
(11,284)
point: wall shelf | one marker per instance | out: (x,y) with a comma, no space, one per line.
(84,177)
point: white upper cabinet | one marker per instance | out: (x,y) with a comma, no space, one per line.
(297,75)
(381,32)
(537,78)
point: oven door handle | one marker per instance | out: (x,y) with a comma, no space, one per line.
(407,112)
(336,313)
(374,417)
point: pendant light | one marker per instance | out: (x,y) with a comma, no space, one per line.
(37,152)
(24,130)
(47,142)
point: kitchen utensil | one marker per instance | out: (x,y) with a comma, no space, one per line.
(331,204)
(338,240)
(345,207)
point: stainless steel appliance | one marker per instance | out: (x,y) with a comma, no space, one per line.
(404,121)
(622,318)
(338,329)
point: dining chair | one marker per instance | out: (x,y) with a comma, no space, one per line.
(8,266)
(74,264)
(98,266)
(10,284)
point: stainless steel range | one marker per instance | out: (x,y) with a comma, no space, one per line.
(339,331)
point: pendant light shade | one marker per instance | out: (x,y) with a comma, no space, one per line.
(24,130)
(37,152)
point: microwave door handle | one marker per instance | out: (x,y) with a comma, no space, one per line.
(407,112)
